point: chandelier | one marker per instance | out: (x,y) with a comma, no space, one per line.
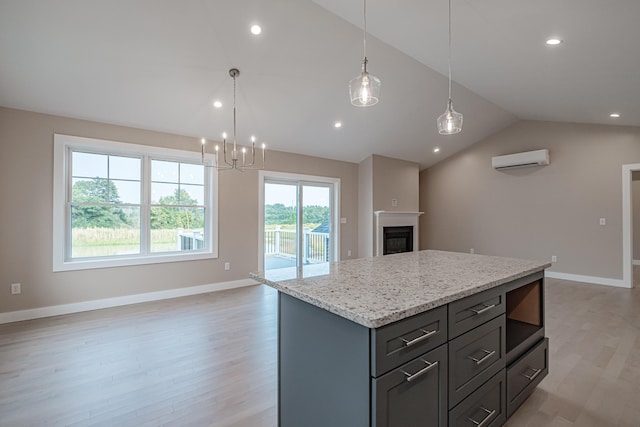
(238,158)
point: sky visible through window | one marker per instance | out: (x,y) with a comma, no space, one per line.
(125,172)
(286,194)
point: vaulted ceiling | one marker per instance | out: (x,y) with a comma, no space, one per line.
(160,64)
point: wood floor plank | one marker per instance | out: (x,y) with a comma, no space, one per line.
(210,360)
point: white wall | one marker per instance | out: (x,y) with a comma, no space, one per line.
(635,195)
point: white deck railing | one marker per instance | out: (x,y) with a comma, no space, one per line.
(283,243)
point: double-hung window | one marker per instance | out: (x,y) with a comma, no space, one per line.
(119,204)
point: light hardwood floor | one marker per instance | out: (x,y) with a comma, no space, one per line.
(195,361)
(210,360)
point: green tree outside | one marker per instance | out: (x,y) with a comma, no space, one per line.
(279,214)
(168,217)
(97,191)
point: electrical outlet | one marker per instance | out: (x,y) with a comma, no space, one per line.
(16,289)
(472,251)
(343,220)
(394,202)
(349,252)
(554,258)
(603,221)
(227,266)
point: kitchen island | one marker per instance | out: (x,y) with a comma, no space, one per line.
(420,338)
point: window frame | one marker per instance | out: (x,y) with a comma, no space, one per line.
(64,145)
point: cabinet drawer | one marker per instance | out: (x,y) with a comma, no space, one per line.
(413,394)
(525,374)
(474,310)
(402,341)
(485,407)
(475,357)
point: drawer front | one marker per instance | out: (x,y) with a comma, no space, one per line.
(413,394)
(402,341)
(475,357)
(474,310)
(526,373)
(485,407)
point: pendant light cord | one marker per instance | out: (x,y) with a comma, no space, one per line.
(449,49)
(364,35)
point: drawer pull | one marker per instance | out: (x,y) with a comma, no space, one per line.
(421,372)
(482,310)
(483,359)
(427,334)
(485,420)
(533,376)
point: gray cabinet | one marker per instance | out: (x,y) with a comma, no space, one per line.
(401,342)
(325,380)
(413,394)
(525,374)
(475,357)
(468,363)
(323,374)
(473,311)
(485,407)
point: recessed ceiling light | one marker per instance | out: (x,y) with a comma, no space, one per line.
(256,29)
(553,42)
(217,104)
(337,124)
(614,115)
(436,150)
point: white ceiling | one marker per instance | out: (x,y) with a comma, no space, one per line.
(159,64)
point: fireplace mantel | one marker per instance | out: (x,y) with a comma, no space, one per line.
(395,219)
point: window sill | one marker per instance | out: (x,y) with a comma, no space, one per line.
(126,261)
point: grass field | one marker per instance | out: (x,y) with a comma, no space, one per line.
(94,242)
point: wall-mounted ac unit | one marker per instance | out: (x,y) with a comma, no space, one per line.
(521,160)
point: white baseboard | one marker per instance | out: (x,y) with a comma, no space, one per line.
(56,310)
(587,279)
(636,262)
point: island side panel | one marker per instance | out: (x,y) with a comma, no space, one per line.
(323,368)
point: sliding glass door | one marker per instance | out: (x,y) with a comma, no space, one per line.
(298,225)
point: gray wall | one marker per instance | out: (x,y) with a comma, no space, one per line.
(26,171)
(395,179)
(381,179)
(535,212)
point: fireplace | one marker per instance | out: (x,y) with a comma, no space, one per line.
(396,240)
(396,232)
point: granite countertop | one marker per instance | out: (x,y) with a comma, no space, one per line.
(377,291)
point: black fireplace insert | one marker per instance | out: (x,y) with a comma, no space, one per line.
(397,240)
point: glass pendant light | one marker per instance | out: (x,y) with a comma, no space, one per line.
(364,89)
(450,122)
